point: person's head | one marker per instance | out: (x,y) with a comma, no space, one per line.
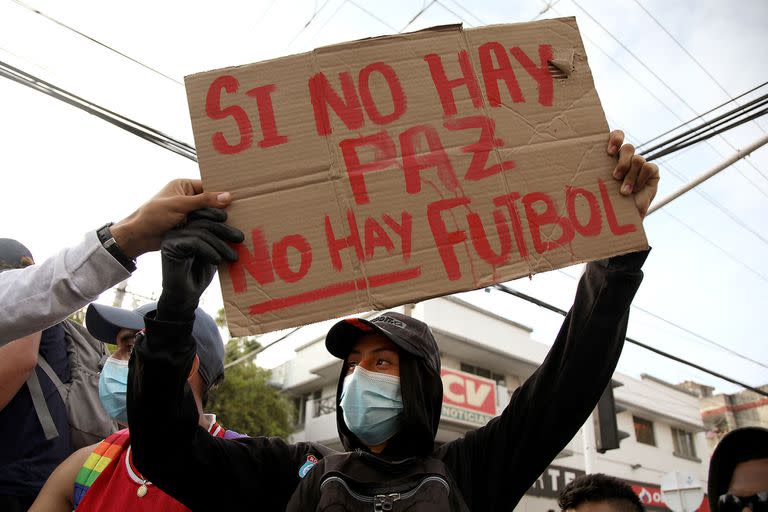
(738,472)
(599,493)
(119,327)
(389,393)
(13,255)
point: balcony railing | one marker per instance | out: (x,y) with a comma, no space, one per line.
(323,406)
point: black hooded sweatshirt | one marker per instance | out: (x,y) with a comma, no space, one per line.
(492,466)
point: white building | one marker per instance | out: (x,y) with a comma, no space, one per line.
(485,358)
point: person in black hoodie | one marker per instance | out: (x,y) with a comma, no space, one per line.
(389,398)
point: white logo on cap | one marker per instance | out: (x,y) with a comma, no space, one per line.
(389,320)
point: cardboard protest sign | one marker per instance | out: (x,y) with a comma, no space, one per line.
(389,170)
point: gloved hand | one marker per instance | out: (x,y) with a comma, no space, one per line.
(189,256)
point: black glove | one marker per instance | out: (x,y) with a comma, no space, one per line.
(189,256)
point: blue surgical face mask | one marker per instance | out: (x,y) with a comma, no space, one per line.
(372,405)
(113,389)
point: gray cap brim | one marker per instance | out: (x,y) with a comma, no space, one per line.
(104,322)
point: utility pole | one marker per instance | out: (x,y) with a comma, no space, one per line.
(588,442)
(120,294)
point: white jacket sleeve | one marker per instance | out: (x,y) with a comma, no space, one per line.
(41,295)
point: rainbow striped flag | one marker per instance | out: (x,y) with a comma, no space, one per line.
(106,451)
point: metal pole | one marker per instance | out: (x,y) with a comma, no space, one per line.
(740,153)
(588,441)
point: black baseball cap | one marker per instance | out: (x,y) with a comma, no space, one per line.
(14,254)
(104,322)
(737,446)
(408,333)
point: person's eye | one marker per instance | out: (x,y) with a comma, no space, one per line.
(382,362)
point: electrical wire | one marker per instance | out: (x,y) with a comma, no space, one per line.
(441,4)
(311,19)
(457,4)
(674,172)
(640,146)
(715,245)
(717,121)
(655,75)
(254,352)
(103,45)
(421,11)
(684,329)
(544,305)
(127,124)
(667,107)
(372,15)
(694,59)
(700,138)
(549,4)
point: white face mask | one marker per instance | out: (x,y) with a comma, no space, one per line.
(372,405)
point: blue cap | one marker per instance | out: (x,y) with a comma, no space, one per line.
(14,254)
(104,322)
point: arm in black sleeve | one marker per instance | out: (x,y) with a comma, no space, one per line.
(180,457)
(496,464)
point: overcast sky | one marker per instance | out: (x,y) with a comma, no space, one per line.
(65,172)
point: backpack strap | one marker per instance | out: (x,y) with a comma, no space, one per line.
(49,371)
(41,407)
(38,398)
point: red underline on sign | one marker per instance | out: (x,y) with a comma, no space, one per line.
(335,289)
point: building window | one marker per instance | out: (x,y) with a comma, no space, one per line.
(484,372)
(644,431)
(300,406)
(683,441)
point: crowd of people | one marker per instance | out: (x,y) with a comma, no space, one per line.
(147,444)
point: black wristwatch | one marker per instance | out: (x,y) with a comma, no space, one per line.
(109,243)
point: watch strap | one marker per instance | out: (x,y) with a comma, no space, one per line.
(110,244)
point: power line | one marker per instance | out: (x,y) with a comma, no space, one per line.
(695,139)
(548,4)
(703,338)
(312,18)
(717,121)
(715,203)
(72,29)
(421,11)
(668,166)
(701,115)
(254,352)
(684,329)
(716,246)
(653,73)
(457,4)
(550,307)
(127,124)
(331,17)
(663,104)
(372,15)
(694,59)
(441,4)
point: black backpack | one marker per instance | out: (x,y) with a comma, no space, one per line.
(360,481)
